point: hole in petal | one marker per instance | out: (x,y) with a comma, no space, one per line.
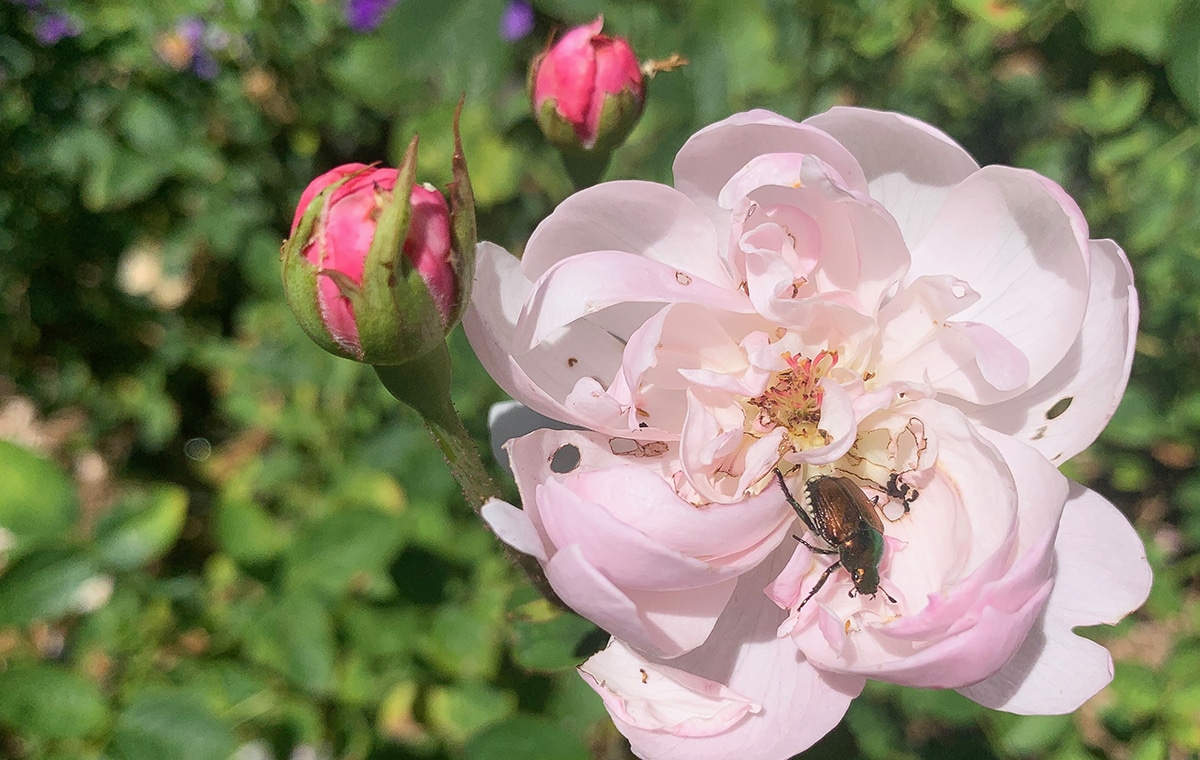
(565,459)
(1059,407)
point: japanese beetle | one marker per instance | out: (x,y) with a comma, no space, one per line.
(844,518)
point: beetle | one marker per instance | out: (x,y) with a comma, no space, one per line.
(844,518)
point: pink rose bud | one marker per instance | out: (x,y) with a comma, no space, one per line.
(587,90)
(377,276)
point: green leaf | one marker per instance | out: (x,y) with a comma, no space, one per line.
(171,723)
(48,701)
(1137,25)
(458,712)
(549,645)
(37,502)
(42,586)
(142,527)
(1033,735)
(295,638)
(462,644)
(526,736)
(1183,55)
(341,550)
(247,532)
(1111,105)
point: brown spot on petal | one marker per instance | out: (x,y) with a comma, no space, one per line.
(572,361)
(645,675)
(624,447)
(683,278)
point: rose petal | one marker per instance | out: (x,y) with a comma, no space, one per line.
(646,218)
(1089,380)
(666,624)
(798,704)
(909,165)
(512,419)
(1101,575)
(587,283)
(711,156)
(1003,233)
(657,697)
(541,378)
(513,527)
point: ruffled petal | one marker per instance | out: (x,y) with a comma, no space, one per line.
(541,379)
(658,697)
(513,527)
(909,165)
(797,703)
(714,154)
(1101,575)
(645,218)
(665,624)
(587,283)
(1005,234)
(1066,411)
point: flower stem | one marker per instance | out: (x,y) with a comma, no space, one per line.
(424,384)
(585,169)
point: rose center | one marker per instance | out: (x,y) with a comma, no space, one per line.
(793,402)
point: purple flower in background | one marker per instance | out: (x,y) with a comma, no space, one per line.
(55,26)
(366,15)
(516,21)
(205,66)
(191,29)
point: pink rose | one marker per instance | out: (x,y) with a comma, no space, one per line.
(587,89)
(853,297)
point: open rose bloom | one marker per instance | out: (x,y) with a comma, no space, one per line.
(851,296)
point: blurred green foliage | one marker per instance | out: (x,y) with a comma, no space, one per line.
(219,540)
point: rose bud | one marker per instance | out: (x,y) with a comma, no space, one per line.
(587,90)
(379,276)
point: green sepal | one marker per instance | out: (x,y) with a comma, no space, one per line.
(619,114)
(463,233)
(558,130)
(300,275)
(396,317)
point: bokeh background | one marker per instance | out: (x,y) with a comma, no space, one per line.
(220,542)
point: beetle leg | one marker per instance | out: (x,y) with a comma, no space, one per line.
(820,582)
(795,505)
(816,549)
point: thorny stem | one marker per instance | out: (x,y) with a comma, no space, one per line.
(424,384)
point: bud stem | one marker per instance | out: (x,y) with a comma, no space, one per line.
(585,169)
(424,384)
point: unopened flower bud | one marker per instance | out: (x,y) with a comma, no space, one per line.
(376,275)
(587,90)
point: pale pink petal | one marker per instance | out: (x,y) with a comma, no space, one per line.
(626,556)
(1001,364)
(646,218)
(542,378)
(1101,575)
(585,284)
(714,154)
(1091,377)
(512,526)
(658,697)
(909,165)
(798,704)
(512,419)
(642,498)
(586,590)
(983,569)
(1004,234)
